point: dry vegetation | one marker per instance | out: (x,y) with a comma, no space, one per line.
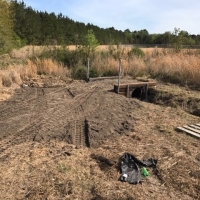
(163,64)
(30,69)
(56,170)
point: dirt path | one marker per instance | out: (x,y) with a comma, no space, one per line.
(83,128)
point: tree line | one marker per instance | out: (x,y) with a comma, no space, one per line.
(22,25)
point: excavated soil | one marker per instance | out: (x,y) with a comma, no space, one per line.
(63,140)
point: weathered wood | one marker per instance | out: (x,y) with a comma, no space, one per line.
(146,91)
(132,86)
(189,132)
(137,84)
(125,89)
(195,126)
(192,129)
(102,78)
(128,91)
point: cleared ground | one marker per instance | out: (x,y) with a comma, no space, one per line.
(63,140)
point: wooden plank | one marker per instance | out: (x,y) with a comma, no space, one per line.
(189,132)
(195,126)
(192,129)
(137,84)
(103,78)
(131,88)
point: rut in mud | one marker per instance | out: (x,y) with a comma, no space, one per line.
(71,114)
(45,133)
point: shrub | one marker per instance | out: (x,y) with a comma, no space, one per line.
(111,72)
(93,72)
(79,72)
(136,52)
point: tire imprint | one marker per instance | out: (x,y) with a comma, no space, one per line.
(44,121)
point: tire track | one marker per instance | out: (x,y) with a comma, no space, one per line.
(56,114)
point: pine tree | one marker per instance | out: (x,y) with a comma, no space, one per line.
(90,42)
(7,35)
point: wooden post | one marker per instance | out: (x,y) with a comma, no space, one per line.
(120,66)
(88,70)
(127,91)
(146,92)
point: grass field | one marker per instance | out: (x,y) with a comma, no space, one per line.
(163,64)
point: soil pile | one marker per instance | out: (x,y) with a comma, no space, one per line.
(63,139)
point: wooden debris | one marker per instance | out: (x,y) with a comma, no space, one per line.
(193,130)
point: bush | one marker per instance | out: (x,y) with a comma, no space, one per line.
(79,73)
(70,58)
(110,72)
(93,72)
(136,52)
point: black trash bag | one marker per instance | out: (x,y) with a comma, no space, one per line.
(130,168)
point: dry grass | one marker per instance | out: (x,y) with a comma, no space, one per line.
(57,170)
(41,171)
(164,64)
(181,67)
(30,69)
(50,67)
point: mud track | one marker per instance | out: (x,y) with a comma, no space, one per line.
(68,113)
(42,129)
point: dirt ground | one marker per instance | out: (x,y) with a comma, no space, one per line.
(62,139)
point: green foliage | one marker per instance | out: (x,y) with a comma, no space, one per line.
(93,72)
(42,28)
(136,52)
(79,72)
(8,39)
(110,72)
(90,43)
(119,53)
(116,52)
(70,58)
(179,38)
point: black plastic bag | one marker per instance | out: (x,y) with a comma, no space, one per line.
(130,168)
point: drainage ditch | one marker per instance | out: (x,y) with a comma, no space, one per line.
(190,104)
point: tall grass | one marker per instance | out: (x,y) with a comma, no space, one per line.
(168,65)
(181,68)
(16,74)
(163,64)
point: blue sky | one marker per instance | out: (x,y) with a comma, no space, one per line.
(157,16)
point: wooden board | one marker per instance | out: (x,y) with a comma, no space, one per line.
(195,126)
(137,84)
(103,78)
(132,86)
(193,130)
